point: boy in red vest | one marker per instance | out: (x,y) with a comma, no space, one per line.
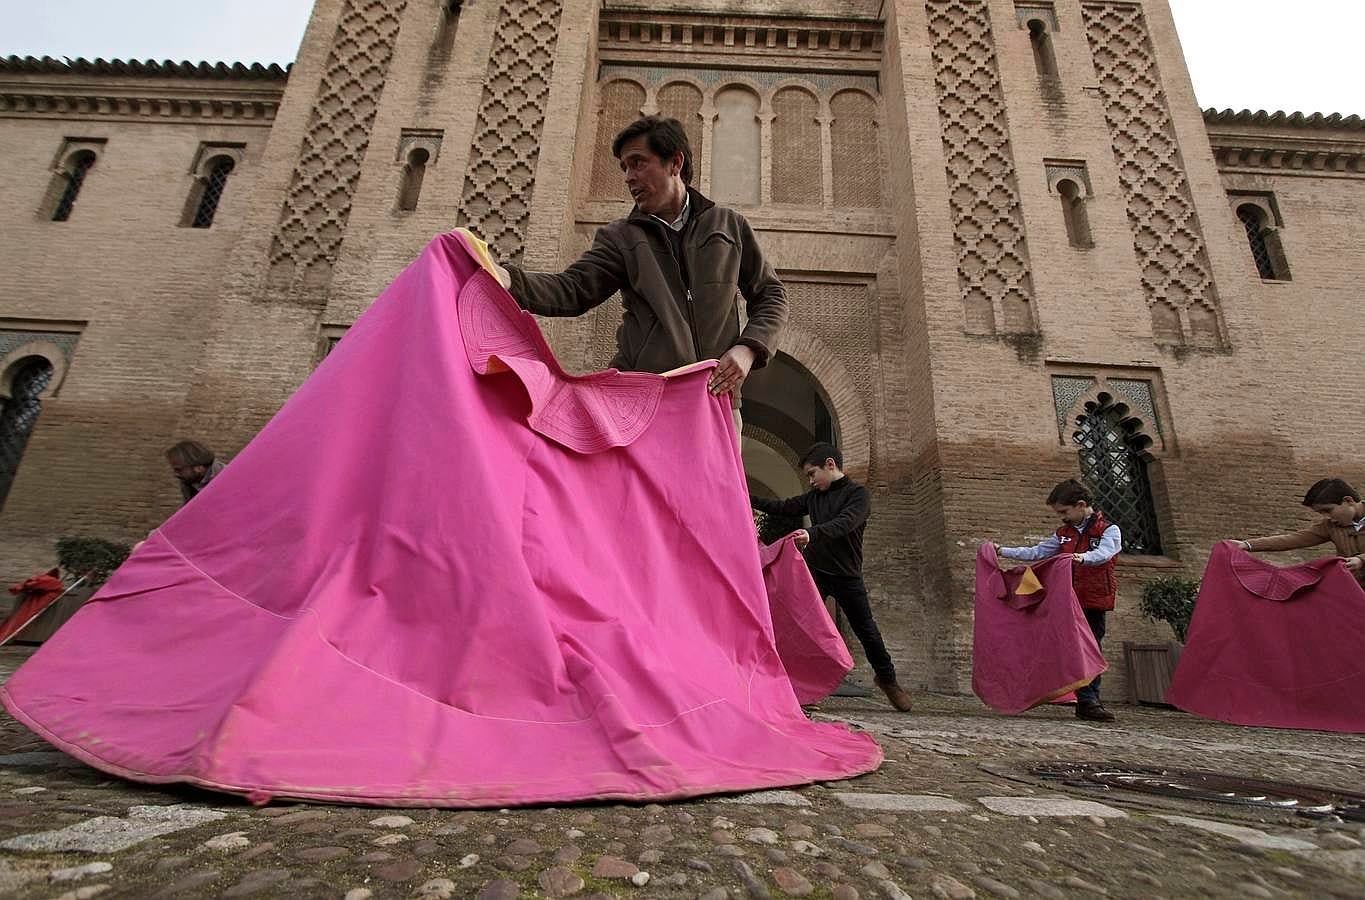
(1093,543)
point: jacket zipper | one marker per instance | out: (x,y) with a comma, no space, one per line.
(691,310)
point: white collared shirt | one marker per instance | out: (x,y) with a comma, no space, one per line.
(678,223)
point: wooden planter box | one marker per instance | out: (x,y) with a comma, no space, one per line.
(1150,669)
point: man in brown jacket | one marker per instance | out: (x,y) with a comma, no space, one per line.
(681,263)
(1342,523)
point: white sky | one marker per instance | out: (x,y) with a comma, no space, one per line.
(1257,54)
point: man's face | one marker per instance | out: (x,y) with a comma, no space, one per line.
(187,474)
(655,184)
(1071,513)
(822,476)
(1343,513)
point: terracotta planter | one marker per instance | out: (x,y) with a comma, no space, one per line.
(1150,668)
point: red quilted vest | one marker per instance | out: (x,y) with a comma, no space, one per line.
(1096,586)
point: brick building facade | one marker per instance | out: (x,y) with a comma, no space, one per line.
(1014,245)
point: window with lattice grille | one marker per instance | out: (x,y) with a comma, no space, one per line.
(1266,250)
(20,414)
(79,167)
(212,187)
(1113,454)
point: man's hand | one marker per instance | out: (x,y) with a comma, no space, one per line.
(803,538)
(733,369)
(1354,564)
(1078,558)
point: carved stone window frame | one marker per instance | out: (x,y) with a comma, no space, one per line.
(20,339)
(64,165)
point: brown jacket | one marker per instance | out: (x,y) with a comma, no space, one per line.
(677,312)
(1345,538)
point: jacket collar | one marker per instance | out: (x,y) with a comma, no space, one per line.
(699,204)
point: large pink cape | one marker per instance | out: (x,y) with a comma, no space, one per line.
(448,574)
(812,650)
(1277,646)
(1029,648)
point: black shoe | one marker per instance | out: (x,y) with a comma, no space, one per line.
(1092,711)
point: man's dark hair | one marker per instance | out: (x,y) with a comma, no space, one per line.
(189,453)
(818,453)
(665,137)
(1329,492)
(1069,493)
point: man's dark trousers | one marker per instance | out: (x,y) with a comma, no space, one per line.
(851,595)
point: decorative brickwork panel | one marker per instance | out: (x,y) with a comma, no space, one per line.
(317,204)
(797,173)
(682,101)
(1176,276)
(856,150)
(496,202)
(988,227)
(841,315)
(619,104)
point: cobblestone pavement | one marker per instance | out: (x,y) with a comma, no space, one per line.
(954,813)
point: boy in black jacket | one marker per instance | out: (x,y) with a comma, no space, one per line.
(838,508)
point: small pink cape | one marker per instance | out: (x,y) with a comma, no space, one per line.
(449,574)
(811,648)
(1029,648)
(1277,646)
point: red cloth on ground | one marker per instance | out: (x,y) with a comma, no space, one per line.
(1277,646)
(448,573)
(1029,648)
(35,595)
(812,650)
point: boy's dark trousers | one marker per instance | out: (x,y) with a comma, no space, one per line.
(851,595)
(1091,692)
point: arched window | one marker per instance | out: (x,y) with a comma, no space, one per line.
(619,105)
(1113,452)
(1266,250)
(1044,57)
(413,172)
(73,177)
(682,101)
(31,376)
(211,191)
(857,155)
(797,153)
(1074,214)
(736,153)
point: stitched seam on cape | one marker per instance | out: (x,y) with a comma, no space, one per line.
(215,582)
(588,718)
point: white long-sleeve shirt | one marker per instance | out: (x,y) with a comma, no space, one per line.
(1111,542)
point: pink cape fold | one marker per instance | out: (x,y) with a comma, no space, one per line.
(1276,646)
(812,650)
(1032,648)
(448,574)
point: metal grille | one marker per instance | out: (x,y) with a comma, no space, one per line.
(1111,443)
(1208,787)
(1251,220)
(213,192)
(19,415)
(73,187)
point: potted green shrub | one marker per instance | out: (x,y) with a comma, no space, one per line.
(1168,599)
